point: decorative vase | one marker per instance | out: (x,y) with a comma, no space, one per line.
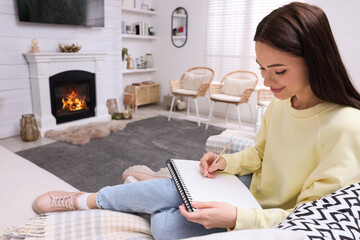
(124,65)
(130,62)
(28,128)
(149,60)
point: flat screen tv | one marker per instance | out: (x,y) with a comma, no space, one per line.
(71,12)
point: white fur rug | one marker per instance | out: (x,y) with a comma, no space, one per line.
(81,135)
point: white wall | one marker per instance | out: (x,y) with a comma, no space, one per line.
(344,20)
(15,39)
(172,61)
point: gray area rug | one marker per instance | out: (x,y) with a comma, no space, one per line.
(101,162)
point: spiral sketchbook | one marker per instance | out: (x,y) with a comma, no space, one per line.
(192,186)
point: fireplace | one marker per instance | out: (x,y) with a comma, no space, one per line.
(72,95)
(81,72)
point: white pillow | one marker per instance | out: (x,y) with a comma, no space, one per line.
(192,81)
(236,86)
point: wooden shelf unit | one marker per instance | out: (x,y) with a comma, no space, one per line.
(139,45)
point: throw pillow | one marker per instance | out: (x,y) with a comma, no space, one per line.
(192,81)
(336,216)
(236,86)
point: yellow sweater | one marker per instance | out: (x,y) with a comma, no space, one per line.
(299,156)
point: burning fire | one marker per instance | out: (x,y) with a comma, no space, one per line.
(73,102)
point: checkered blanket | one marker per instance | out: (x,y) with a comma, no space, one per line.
(81,225)
(240,140)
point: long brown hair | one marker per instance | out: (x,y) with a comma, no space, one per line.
(304,30)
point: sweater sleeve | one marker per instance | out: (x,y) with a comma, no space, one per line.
(259,218)
(250,159)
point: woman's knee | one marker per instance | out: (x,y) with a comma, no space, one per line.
(170,224)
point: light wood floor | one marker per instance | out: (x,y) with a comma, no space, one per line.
(16,144)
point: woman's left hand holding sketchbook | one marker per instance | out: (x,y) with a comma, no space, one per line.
(211,214)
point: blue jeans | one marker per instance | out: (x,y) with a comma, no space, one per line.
(160,199)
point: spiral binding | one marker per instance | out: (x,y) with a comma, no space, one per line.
(180,185)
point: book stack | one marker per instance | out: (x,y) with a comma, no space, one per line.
(141,28)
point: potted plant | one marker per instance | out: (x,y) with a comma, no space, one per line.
(124,54)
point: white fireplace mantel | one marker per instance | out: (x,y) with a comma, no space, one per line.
(44,65)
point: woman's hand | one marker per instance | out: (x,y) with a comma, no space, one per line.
(211,214)
(206,161)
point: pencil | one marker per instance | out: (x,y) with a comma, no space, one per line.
(219,156)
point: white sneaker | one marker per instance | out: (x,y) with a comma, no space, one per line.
(57,201)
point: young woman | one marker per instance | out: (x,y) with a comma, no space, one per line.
(307,147)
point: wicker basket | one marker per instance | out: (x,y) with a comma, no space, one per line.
(28,128)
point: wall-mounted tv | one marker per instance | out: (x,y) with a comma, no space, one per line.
(71,12)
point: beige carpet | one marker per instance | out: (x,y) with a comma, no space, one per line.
(81,135)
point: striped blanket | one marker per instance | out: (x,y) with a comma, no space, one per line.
(82,225)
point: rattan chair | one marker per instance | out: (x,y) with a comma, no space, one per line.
(193,83)
(235,88)
(264,97)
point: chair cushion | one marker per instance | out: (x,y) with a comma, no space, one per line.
(224,97)
(185,92)
(192,81)
(236,86)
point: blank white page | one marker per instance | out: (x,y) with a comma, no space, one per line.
(224,188)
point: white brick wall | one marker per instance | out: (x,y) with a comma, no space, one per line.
(15,39)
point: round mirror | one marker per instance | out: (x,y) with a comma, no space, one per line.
(179,27)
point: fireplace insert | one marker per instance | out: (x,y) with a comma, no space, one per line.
(72,95)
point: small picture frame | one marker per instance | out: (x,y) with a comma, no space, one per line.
(138,3)
(145,7)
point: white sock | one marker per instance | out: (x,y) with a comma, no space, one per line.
(82,201)
(130,179)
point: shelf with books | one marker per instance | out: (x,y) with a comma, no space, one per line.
(135,26)
(179,20)
(137,34)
